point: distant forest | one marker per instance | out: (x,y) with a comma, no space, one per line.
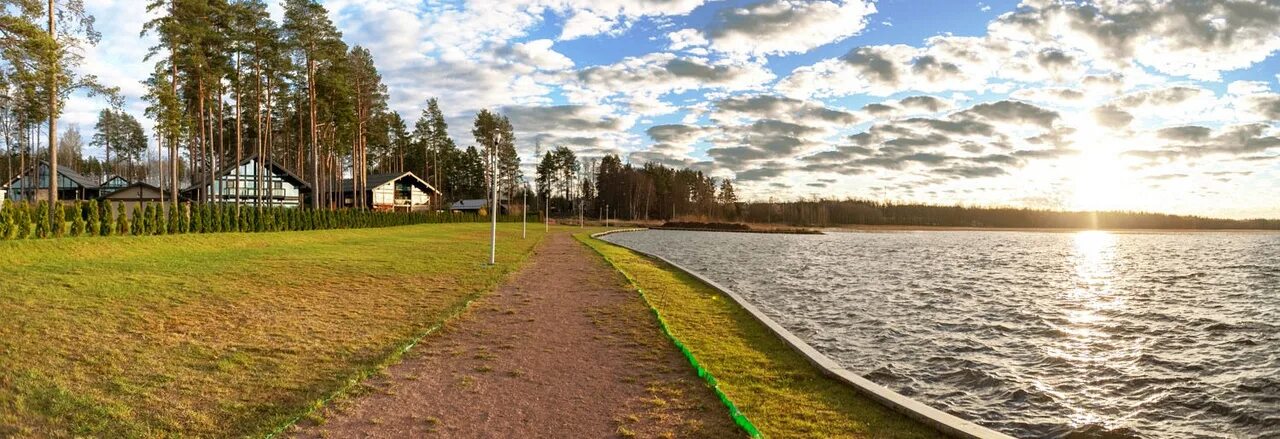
(656,192)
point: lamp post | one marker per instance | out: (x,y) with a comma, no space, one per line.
(493,214)
(524,215)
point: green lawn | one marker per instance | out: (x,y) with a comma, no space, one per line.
(221,335)
(776,388)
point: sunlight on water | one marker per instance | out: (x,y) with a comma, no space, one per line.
(1090,334)
(1093,256)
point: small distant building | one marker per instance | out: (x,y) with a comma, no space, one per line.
(135,194)
(479,206)
(33,185)
(403,191)
(280,187)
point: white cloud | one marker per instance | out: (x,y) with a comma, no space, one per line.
(787,26)
(686,38)
(1183,38)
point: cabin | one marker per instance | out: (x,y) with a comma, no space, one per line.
(136,193)
(402,191)
(33,185)
(478,206)
(280,187)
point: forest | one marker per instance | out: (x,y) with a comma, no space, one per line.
(229,82)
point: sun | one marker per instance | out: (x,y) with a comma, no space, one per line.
(1097,177)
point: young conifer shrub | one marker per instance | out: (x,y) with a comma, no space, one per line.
(75,219)
(123,227)
(41,218)
(137,221)
(93,223)
(59,226)
(5,223)
(197,218)
(106,223)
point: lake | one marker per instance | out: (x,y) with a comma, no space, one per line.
(1035,334)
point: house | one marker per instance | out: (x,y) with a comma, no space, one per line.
(135,192)
(480,206)
(112,183)
(33,185)
(402,191)
(280,187)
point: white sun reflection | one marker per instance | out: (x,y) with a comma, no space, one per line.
(1087,345)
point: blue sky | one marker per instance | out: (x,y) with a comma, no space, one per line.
(1166,106)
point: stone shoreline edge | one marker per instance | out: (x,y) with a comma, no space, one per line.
(944,422)
(739,419)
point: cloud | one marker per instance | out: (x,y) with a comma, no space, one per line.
(1182,38)
(646,78)
(1112,117)
(1184,142)
(780,108)
(773,27)
(537,54)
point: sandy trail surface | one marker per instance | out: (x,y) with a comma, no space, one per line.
(563,349)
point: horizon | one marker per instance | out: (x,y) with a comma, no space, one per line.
(1028,105)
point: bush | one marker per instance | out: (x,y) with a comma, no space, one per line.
(74,214)
(6,223)
(93,223)
(41,217)
(138,220)
(122,220)
(104,216)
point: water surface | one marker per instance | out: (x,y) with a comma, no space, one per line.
(1033,334)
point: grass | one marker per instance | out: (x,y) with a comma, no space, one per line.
(221,335)
(775,387)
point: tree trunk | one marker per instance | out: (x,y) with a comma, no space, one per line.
(311,104)
(53,120)
(239,144)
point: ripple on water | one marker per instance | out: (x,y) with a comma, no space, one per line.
(1088,335)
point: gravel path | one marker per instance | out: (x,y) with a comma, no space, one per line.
(563,349)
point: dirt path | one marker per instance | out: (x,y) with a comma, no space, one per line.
(564,349)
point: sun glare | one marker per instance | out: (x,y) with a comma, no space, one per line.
(1098,180)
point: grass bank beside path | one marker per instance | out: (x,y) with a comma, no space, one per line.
(775,387)
(221,335)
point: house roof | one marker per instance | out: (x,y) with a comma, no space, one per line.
(109,178)
(381,179)
(137,185)
(64,171)
(475,204)
(469,204)
(231,168)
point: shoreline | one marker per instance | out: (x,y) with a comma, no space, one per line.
(779,388)
(905,228)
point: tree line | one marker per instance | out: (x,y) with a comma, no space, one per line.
(655,192)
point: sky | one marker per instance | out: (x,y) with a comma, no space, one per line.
(1162,105)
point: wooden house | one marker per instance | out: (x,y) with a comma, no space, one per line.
(279,186)
(402,191)
(33,185)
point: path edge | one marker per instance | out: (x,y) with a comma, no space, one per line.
(739,418)
(397,352)
(944,422)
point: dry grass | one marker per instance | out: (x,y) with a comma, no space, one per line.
(780,392)
(220,335)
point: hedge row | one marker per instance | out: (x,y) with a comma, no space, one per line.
(91,218)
